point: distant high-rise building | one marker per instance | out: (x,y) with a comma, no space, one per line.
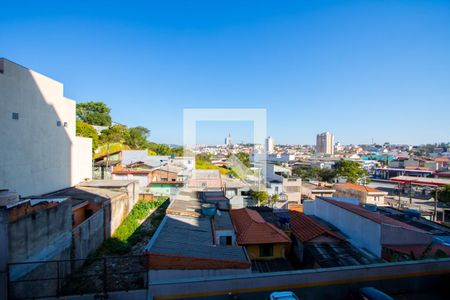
(228,140)
(325,143)
(270,144)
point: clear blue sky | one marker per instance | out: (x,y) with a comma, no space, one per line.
(360,69)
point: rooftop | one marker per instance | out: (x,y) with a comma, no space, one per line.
(191,238)
(422,180)
(253,229)
(359,187)
(373,216)
(306,228)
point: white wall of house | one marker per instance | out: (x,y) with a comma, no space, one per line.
(362,232)
(142,178)
(39,151)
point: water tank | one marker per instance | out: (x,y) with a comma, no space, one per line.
(208,209)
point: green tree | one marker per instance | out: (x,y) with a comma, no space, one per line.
(137,137)
(177,151)
(327,175)
(261,197)
(86,130)
(94,113)
(444,194)
(113,134)
(352,170)
(159,149)
(244,158)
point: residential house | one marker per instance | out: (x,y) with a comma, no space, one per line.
(365,194)
(261,239)
(365,229)
(317,245)
(196,238)
(39,150)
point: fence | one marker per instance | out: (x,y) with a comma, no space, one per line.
(56,278)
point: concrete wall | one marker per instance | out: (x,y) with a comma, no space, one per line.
(81,159)
(41,234)
(362,232)
(157,275)
(88,236)
(37,154)
(330,283)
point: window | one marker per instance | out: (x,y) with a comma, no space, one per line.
(226,240)
(65,124)
(266,250)
(15,116)
(58,123)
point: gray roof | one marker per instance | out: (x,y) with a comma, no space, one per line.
(222,220)
(107,183)
(81,194)
(192,237)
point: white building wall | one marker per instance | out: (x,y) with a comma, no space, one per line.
(37,156)
(362,232)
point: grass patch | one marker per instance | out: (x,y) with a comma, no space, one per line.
(131,231)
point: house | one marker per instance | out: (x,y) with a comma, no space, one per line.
(316,245)
(196,238)
(205,179)
(365,194)
(39,150)
(365,229)
(261,239)
(64,225)
(311,190)
(104,164)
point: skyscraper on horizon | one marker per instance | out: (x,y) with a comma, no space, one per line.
(325,143)
(270,144)
(228,140)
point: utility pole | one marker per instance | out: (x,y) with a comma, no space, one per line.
(435,205)
(410,193)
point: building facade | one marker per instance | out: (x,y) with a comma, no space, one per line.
(40,152)
(325,143)
(270,145)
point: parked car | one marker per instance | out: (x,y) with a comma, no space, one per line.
(287,295)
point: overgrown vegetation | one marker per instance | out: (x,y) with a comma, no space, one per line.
(131,231)
(203,162)
(136,138)
(351,170)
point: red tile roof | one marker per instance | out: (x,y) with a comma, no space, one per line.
(358,187)
(375,217)
(252,229)
(138,172)
(441,159)
(306,228)
(416,168)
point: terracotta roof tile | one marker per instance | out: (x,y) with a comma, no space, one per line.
(306,228)
(358,187)
(441,159)
(252,229)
